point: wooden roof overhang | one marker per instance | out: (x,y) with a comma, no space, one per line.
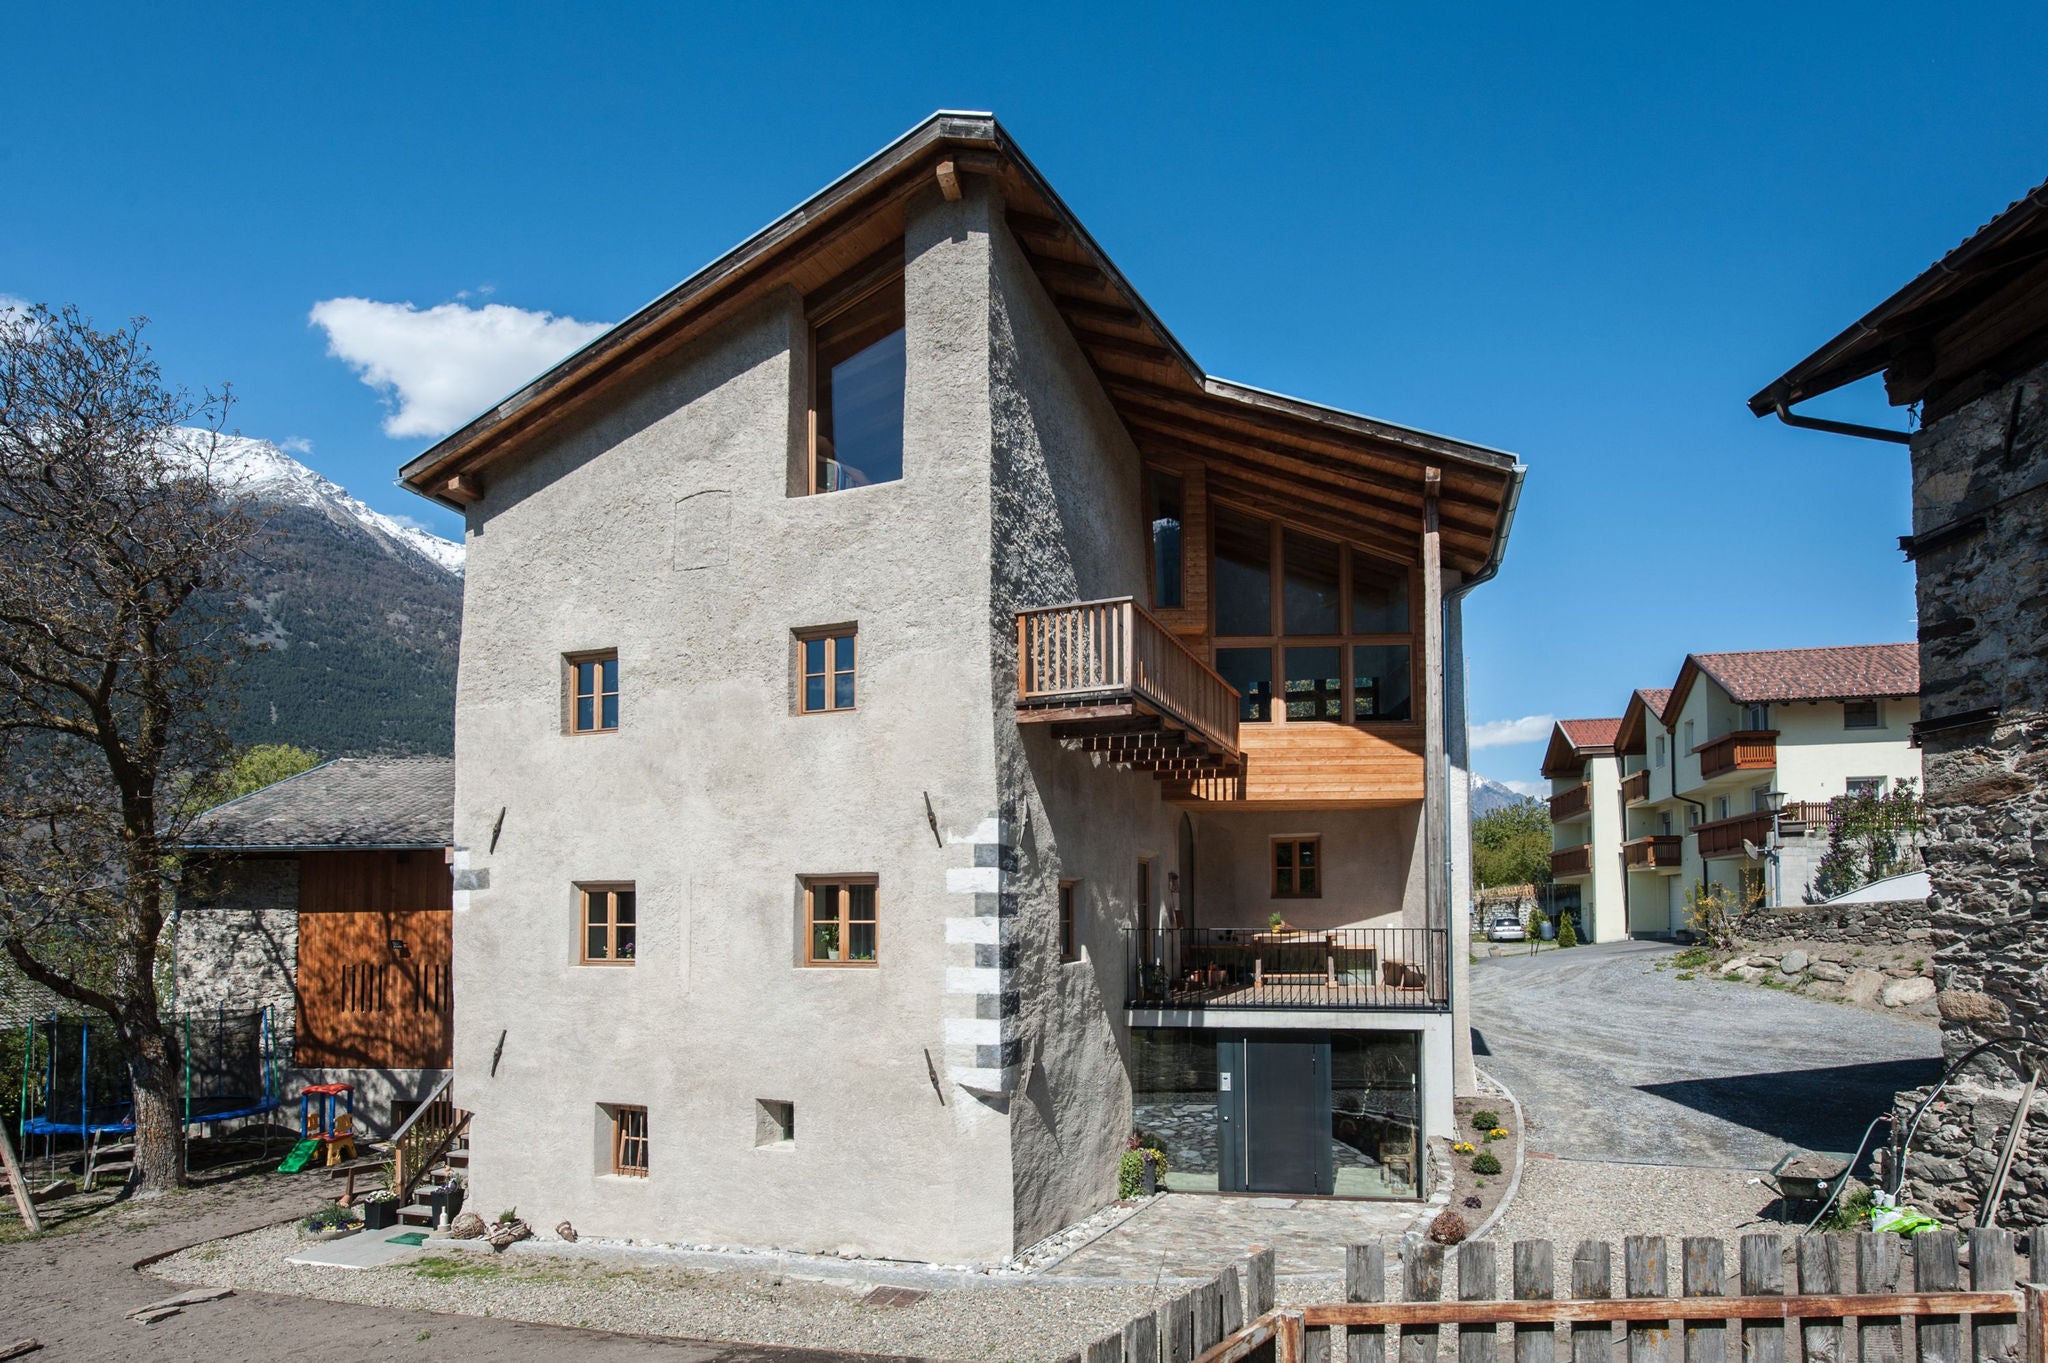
(1345,475)
(1632,739)
(1565,758)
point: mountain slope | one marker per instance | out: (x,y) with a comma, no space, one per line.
(356,616)
(1488,796)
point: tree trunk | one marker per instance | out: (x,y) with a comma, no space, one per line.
(155,1076)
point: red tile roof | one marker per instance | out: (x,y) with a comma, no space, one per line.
(1590,733)
(1854,672)
(1654,698)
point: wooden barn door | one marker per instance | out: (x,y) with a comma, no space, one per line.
(375,947)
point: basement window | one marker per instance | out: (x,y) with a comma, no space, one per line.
(857,369)
(1070,947)
(629,1141)
(774,1122)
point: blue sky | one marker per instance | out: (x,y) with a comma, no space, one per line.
(1583,234)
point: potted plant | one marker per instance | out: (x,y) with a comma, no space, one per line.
(1274,921)
(380,1211)
(446,1201)
(329,1223)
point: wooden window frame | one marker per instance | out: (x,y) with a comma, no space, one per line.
(1149,490)
(1069,909)
(625,1139)
(1296,841)
(832,635)
(812,884)
(835,305)
(572,664)
(1876,716)
(611,889)
(1278,641)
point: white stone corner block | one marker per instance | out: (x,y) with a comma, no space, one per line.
(974,879)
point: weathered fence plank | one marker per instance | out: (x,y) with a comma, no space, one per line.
(1365,1279)
(1208,1302)
(1995,1338)
(1592,1280)
(1108,1349)
(1535,1280)
(1233,1300)
(1880,1268)
(1700,1276)
(1763,1275)
(1422,1279)
(1820,1274)
(1477,1281)
(1141,1340)
(1258,1283)
(1177,1329)
(1646,1273)
(1935,1269)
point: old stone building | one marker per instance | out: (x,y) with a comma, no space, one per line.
(1967,342)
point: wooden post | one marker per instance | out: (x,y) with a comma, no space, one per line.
(1646,1272)
(1700,1276)
(2034,1344)
(1763,1275)
(1993,1269)
(1436,837)
(1365,1279)
(1258,1283)
(1935,1270)
(1232,1305)
(1593,1277)
(1880,1267)
(1141,1339)
(23,1203)
(1108,1349)
(1422,1279)
(1535,1280)
(1820,1275)
(1208,1303)
(1477,1281)
(1287,1342)
(1177,1330)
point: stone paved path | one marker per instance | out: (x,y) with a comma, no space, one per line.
(1192,1235)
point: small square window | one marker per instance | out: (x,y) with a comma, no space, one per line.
(629,1141)
(1070,947)
(825,669)
(774,1122)
(1297,868)
(1861,714)
(593,692)
(1865,787)
(840,920)
(609,923)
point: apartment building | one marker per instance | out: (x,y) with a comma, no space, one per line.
(1724,780)
(915,726)
(1585,814)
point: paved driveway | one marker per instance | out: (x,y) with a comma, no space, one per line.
(1614,1059)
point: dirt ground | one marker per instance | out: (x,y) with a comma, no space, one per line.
(1474,1196)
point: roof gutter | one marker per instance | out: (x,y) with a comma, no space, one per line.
(1510,500)
(1816,423)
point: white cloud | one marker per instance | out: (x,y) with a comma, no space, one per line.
(1505,733)
(1535,790)
(295,445)
(440,366)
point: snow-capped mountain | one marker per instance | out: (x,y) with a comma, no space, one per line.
(261,470)
(1489,795)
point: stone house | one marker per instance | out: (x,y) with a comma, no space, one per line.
(1966,343)
(327,898)
(914,726)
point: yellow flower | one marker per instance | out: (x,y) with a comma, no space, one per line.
(1498,1131)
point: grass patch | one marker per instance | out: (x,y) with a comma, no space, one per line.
(442,1268)
(1692,958)
(1686,975)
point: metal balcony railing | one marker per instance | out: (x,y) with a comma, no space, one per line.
(1336,968)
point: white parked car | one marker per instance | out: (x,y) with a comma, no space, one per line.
(1504,926)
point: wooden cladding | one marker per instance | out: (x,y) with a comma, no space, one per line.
(1744,750)
(1659,852)
(375,988)
(1116,651)
(1316,766)
(1635,788)
(1569,862)
(1575,803)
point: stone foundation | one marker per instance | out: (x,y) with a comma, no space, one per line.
(1888,923)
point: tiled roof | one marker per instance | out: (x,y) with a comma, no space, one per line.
(349,802)
(1853,672)
(1590,733)
(1654,698)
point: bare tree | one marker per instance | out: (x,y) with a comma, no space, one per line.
(120,555)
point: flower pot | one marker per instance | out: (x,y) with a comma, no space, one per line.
(380,1215)
(446,1202)
(1148,1176)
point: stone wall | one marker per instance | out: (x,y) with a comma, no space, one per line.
(237,942)
(1983,598)
(1886,923)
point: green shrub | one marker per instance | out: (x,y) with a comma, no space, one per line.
(1130,1171)
(1485,1119)
(1851,1211)
(1486,1162)
(1693,958)
(1567,935)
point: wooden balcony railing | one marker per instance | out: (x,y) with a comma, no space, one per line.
(1635,788)
(1111,660)
(1746,750)
(1658,852)
(1724,837)
(1817,816)
(1567,862)
(1575,803)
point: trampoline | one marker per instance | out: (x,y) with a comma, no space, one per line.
(75,1082)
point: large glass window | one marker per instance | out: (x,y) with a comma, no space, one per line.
(1315,683)
(1376,1114)
(857,413)
(1166,541)
(1379,596)
(1250,670)
(1173,1102)
(1381,682)
(1309,584)
(1244,574)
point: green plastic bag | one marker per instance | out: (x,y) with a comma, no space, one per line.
(1901,1220)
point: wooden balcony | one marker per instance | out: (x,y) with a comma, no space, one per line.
(1572,863)
(1635,789)
(1745,750)
(1724,837)
(1659,852)
(1111,679)
(1575,803)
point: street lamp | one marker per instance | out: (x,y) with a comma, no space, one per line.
(1774,800)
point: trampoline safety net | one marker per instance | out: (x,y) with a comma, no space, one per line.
(74,1081)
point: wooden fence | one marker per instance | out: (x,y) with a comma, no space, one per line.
(1861,1298)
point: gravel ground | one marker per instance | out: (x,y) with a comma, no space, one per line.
(1566,1201)
(1006,1320)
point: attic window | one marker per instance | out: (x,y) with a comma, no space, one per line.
(857,360)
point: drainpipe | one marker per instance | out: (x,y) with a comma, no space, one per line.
(1816,423)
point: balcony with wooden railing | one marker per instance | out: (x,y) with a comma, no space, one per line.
(1724,837)
(1635,787)
(1110,678)
(1660,852)
(1570,863)
(1575,803)
(1744,750)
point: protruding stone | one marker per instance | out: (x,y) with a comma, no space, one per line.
(1905,993)
(1793,962)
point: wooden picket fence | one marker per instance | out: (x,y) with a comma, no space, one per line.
(1860,1298)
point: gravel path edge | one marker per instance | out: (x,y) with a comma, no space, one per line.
(1507,1200)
